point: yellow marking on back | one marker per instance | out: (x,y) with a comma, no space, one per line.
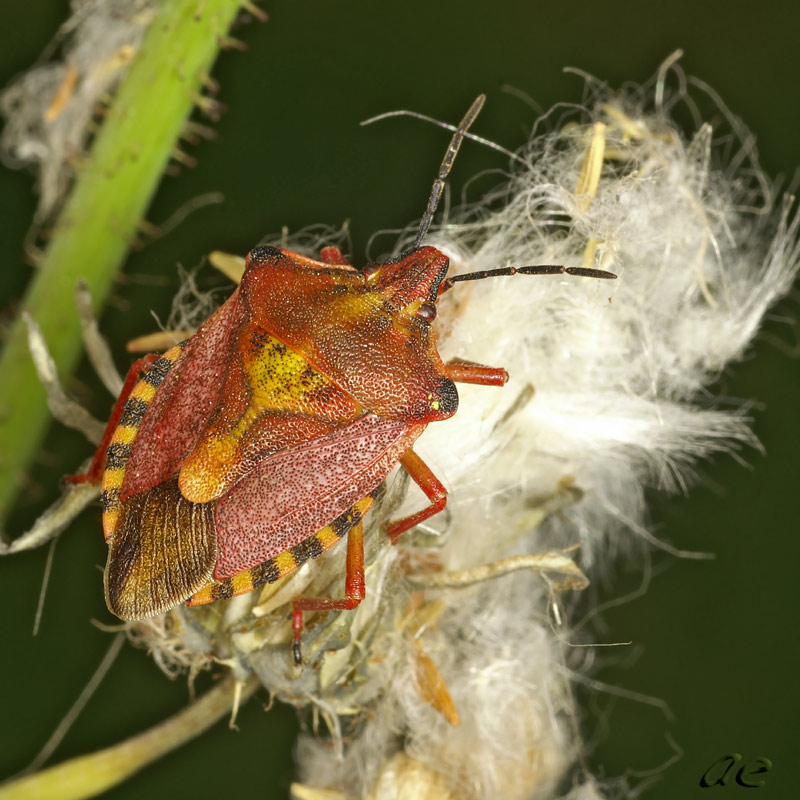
(354,307)
(279,380)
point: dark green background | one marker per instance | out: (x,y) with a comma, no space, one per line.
(717,641)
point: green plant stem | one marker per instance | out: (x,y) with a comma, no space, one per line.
(88,776)
(101,217)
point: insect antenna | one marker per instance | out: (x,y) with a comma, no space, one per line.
(444,170)
(433,202)
(540,269)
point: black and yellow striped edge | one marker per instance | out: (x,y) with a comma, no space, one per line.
(287,562)
(119,448)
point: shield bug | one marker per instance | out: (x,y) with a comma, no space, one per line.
(261,441)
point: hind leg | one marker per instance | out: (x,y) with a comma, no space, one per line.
(354,590)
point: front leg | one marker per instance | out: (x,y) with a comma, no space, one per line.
(469,372)
(434,490)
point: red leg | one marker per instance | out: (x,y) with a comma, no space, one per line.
(469,372)
(434,490)
(353,589)
(95,471)
(333,255)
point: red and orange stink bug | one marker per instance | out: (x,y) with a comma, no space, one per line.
(261,441)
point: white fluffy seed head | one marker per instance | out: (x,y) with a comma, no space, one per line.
(608,392)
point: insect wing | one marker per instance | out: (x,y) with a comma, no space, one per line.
(186,396)
(162,552)
(293,494)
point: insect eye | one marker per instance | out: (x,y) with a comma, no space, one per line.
(426,311)
(370,272)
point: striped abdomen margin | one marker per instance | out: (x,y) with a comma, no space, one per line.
(119,448)
(288,561)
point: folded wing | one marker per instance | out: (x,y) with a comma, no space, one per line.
(289,496)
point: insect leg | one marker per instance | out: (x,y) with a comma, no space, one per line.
(95,471)
(434,490)
(469,372)
(333,255)
(353,589)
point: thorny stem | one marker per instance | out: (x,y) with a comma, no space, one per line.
(88,776)
(100,219)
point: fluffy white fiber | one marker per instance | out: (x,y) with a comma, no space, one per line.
(45,131)
(608,394)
